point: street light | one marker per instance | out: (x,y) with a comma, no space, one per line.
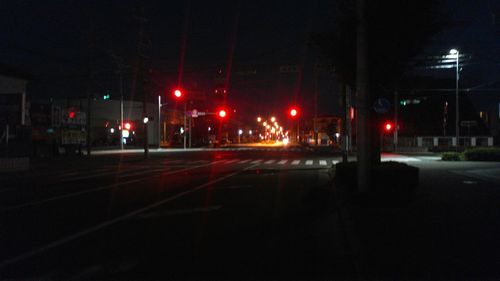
(456,53)
(240,132)
(273,119)
(259,119)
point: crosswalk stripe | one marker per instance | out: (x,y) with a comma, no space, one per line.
(232,161)
(270,161)
(282,162)
(295,162)
(244,161)
(322,162)
(309,162)
(257,161)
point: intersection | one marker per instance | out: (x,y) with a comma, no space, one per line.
(259,212)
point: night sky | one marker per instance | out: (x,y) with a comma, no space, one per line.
(53,41)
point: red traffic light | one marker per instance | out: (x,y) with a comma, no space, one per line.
(294,112)
(222,113)
(177,93)
(388,126)
(71,114)
(127,126)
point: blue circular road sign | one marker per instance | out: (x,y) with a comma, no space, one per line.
(381,105)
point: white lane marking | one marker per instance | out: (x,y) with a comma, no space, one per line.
(322,162)
(244,161)
(105,224)
(178,212)
(282,162)
(295,162)
(309,162)
(470,182)
(232,161)
(88,176)
(197,162)
(256,161)
(270,161)
(126,175)
(400,159)
(430,158)
(69,195)
(334,162)
(238,186)
(39,202)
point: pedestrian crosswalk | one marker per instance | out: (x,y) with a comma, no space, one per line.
(268,149)
(170,165)
(132,171)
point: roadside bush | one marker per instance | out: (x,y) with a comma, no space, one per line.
(451,156)
(482,154)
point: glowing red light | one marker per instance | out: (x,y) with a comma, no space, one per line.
(177,93)
(222,113)
(294,112)
(71,114)
(388,126)
(127,126)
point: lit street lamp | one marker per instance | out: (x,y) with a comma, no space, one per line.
(240,132)
(456,53)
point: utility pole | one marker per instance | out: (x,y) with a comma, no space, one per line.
(396,125)
(159,121)
(349,120)
(345,138)
(457,124)
(315,76)
(121,109)
(142,44)
(89,123)
(364,138)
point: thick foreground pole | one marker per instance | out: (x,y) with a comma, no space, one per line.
(363,98)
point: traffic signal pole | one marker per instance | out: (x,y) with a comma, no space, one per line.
(185,112)
(121,110)
(189,131)
(396,126)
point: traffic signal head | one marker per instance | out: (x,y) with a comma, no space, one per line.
(222,113)
(127,126)
(294,112)
(388,126)
(71,114)
(178,93)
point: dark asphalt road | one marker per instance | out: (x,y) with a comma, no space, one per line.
(236,215)
(192,215)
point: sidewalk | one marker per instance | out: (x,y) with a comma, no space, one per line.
(449,232)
